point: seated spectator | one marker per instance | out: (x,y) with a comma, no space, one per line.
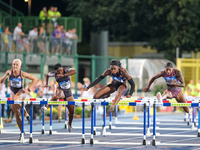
(43,17)
(32,37)
(56,36)
(41,40)
(57,15)
(5,38)
(16,34)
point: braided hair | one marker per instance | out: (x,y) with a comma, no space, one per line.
(169,64)
(57,66)
(115,62)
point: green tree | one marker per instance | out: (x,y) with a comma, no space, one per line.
(165,24)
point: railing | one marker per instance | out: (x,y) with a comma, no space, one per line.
(40,44)
(28,23)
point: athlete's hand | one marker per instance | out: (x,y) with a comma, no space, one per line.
(85,89)
(145,89)
(29,89)
(60,75)
(46,86)
(128,96)
(8,72)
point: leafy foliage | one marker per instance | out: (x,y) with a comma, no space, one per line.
(164,24)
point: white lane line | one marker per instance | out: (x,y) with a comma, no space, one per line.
(61,147)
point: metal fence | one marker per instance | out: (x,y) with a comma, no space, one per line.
(29,23)
(38,44)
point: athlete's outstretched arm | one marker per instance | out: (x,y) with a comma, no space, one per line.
(180,78)
(158,75)
(71,72)
(130,81)
(8,73)
(97,80)
(30,77)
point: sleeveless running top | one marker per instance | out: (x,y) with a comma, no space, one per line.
(16,82)
(64,83)
(118,77)
(169,78)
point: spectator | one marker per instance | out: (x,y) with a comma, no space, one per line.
(39,89)
(40,40)
(5,38)
(57,15)
(74,35)
(90,92)
(43,17)
(65,44)
(68,41)
(50,16)
(32,37)
(2,95)
(198,89)
(192,87)
(26,44)
(56,35)
(17,33)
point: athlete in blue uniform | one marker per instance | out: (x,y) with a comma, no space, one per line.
(16,77)
(119,77)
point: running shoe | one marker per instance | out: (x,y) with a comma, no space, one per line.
(159,97)
(44,109)
(59,119)
(69,128)
(28,119)
(111,109)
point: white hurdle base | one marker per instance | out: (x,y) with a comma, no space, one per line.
(177,144)
(177,129)
(119,143)
(59,142)
(173,135)
(124,134)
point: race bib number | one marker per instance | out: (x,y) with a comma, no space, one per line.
(65,85)
(16,82)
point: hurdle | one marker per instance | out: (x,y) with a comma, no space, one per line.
(92,141)
(154,143)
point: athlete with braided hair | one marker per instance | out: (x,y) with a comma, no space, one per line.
(174,81)
(119,77)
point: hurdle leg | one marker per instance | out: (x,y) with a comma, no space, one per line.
(144,138)
(199,122)
(22,133)
(104,120)
(43,121)
(116,110)
(31,124)
(148,121)
(51,109)
(110,125)
(189,116)
(154,124)
(83,124)
(92,121)
(195,115)
(66,117)
(95,132)
(192,128)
